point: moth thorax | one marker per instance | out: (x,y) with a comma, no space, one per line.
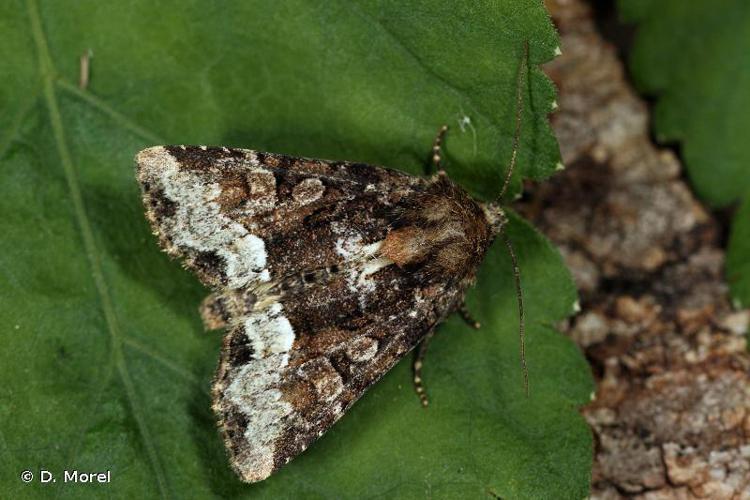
(446,233)
(406,245)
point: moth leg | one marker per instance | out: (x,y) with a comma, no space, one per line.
(437,152)
(466,316)
(417,366)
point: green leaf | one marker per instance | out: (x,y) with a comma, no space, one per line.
(105,364)
(693,57)
(738,255)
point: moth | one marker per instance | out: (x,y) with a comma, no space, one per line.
(324,274)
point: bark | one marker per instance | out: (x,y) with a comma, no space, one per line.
(671,415)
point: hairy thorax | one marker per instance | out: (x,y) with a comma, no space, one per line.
(443,230)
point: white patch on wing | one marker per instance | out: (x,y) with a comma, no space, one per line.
(262,185)
(269,332)
(254,388)
(362,349)
(198,223)
(362,261)
(252,394)
(308,191)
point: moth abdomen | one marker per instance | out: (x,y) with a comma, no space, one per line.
(221,309)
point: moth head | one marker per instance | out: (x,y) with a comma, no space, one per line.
(496,217)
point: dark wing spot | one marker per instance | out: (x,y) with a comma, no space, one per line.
(343,366)
(197,158)
(285,183)
(211,265)
(283,161)
(359,172)
(240,351)
(235,423)
(160,205)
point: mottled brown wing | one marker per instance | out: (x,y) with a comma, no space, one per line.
(239,217)
(291,369)
(316,312)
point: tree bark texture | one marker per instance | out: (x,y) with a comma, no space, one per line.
(671,414)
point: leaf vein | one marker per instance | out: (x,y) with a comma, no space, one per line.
(18,120)
(396,41)
(47,72)
(101,384)
(104,108)
(162,361)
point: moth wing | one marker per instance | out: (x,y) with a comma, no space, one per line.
(219,208)
(289,372)
(317,314)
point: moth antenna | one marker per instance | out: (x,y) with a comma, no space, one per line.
(519,109)
(521,317)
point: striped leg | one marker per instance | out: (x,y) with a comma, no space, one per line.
(466,316)
(437,152)
(417,366)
